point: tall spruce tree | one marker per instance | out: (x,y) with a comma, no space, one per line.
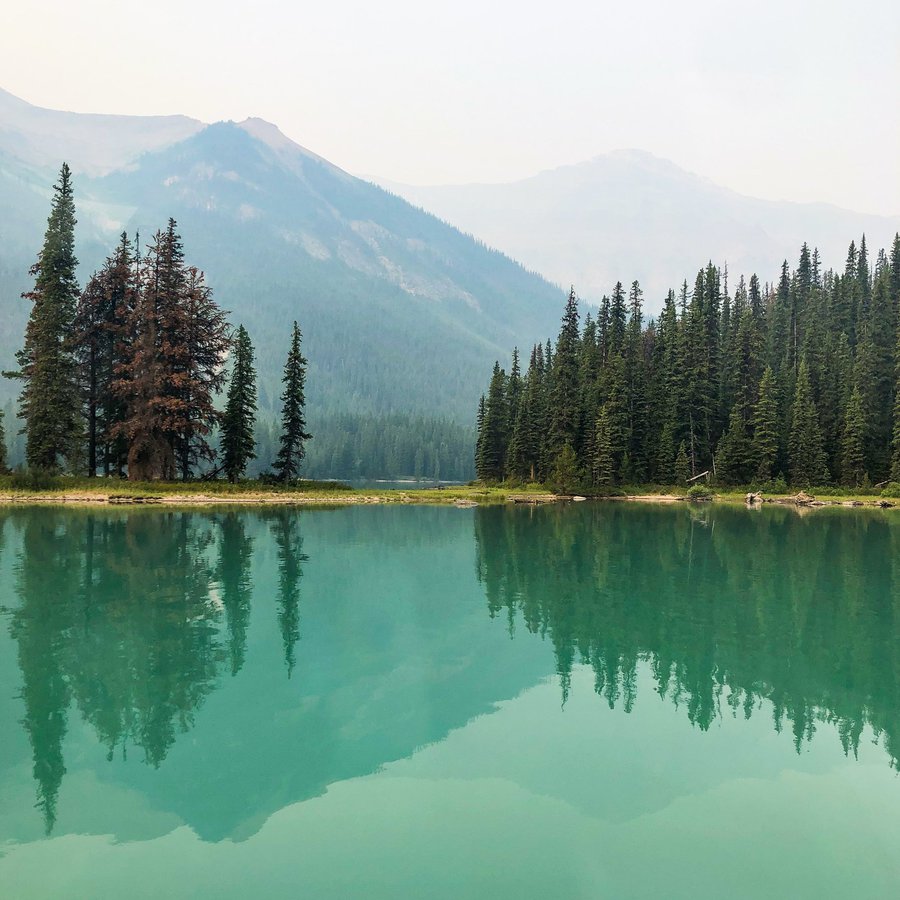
(495,429)
(173,340)
(199,329)
(3,453)
(49,402)
(807,455)
(293,415)
(853,463)
(239,419)
(682,467)
(565,423)
(604,463)
(106,302)
(479,441)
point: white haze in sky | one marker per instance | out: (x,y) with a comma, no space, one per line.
(795,100)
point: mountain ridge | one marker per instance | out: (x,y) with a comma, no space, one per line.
(630,215)
(401,313)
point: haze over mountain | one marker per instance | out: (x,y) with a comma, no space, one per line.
(92,144)
(401,313)
(631,215)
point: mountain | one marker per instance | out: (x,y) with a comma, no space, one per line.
(630,215)
(401,313)
(94,144)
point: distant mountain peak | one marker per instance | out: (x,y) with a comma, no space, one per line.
(267,132)
(275,139)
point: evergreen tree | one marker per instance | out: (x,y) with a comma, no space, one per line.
(807,456)
(617,320)
(239,420)
(495,430)
(565,424)
(895,443)
(514,387)
(636,385)
(682,468)
(172,343)
(565,475)
(604,468)
(200,330)
(853,465)
(293,415)
(107,301)
(524,453)
(765,427)
(49,402)
(3,453)
(479,440)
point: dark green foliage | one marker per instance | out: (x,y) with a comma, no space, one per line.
(765,427)
(293,415)
(238,444)
(748,386)
(565,389)
(853,464)
(495,430)
(565,475)
(604,469)
(3,465)
(682,468)
(369,447)
(806,453)
(49,403)
(699,492)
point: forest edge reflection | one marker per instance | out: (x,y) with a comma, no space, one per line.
(728,608)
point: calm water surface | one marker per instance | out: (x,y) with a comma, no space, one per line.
(583,701)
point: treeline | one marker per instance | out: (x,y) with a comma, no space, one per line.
(124,376)
(796,380)
(391,446)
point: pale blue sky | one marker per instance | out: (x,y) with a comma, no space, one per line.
(785,100)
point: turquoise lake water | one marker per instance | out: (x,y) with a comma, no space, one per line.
(584,700)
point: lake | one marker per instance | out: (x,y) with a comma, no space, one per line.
(584,700)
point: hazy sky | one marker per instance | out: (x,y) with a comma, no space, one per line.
(797,99)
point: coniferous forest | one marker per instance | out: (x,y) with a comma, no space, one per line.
(125,376)
(790,382)
(140,373)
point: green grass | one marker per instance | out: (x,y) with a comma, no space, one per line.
(40,486)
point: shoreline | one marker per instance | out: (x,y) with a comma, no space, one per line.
(468,496)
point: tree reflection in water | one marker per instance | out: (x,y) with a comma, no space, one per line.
(729,607)
(122,614)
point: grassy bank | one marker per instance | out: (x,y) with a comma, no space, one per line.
(75,490)
(19,488)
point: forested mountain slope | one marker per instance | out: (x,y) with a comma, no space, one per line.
(400,312)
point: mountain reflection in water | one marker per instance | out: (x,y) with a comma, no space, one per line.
(131,622)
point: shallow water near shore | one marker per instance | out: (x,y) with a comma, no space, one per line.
(583,700)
